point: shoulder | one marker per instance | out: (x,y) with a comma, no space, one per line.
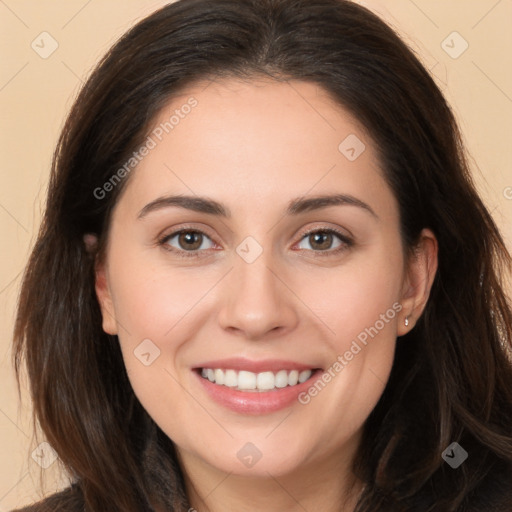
(67,500)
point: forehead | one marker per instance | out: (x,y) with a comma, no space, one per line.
(255,141)
(247,113)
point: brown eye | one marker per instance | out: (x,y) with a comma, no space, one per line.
(191,241)
(321,240)
(326,240)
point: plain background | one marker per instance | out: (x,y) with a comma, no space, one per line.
(36,93)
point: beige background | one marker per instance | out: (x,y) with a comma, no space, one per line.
(36,93)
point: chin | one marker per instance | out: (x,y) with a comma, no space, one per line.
(257,458)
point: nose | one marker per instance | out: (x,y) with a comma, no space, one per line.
(258,303)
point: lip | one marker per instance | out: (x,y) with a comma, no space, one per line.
(243,364)
(257,402)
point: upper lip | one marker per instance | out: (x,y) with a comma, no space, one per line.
(243,364)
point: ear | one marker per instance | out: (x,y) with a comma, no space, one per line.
(102,287)
(419,276)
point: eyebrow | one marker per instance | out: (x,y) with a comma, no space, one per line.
(212,207)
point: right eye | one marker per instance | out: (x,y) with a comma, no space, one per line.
(190,242)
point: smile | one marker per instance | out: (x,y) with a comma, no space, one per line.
(255,387)
(256,382)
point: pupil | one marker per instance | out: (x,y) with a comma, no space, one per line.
(190,239)
(319,236)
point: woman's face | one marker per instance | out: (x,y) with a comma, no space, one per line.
(289,267)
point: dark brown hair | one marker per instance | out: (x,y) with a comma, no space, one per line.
(452,374)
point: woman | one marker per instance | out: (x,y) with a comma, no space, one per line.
(264,279)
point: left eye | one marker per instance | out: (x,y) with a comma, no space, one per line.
(324,238)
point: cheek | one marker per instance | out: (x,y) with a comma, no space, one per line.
(160,309)
(356,296)
(359,303)
(151,297)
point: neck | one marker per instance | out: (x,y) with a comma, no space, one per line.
(327,484)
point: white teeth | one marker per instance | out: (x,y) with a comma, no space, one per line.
(249,381)
(293,378)
(246,380)
(230,379)
(265,380)
(219,376)
(281,379)
(304,375)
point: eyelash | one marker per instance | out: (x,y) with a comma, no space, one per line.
(346,242)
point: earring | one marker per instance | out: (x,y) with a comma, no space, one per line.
(406,321)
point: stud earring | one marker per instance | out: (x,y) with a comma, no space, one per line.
(406,321)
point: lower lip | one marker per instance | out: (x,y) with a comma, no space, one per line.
(257,402)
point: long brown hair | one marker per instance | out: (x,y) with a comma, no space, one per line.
(452,375)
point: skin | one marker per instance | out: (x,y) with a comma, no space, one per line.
(254,146)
